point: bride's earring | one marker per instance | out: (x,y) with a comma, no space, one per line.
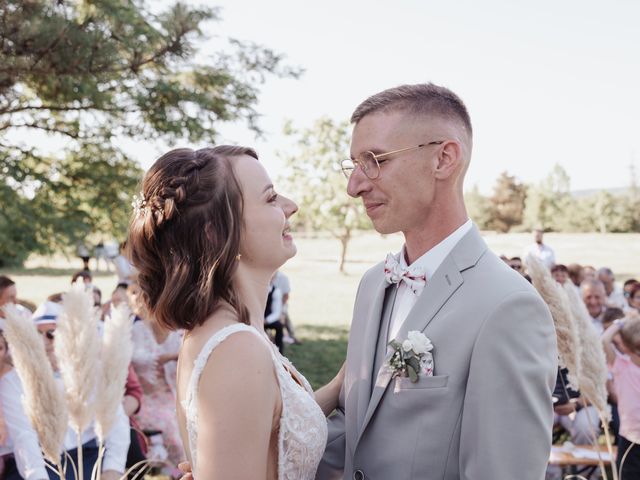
(238,256)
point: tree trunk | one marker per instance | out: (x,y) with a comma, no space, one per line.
(344,242)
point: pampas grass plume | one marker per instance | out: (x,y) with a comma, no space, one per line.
(569,348)
(77,349)
(593,374)
(117,348)
(43,400)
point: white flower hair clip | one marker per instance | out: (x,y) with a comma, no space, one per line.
(139,205)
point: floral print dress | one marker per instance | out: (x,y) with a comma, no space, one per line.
(158,410)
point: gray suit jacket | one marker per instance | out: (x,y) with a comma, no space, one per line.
(486,414)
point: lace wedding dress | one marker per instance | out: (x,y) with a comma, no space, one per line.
(302,431)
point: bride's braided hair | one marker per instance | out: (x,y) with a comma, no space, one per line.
(184,235)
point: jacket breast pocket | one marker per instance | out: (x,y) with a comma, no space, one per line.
(404,384)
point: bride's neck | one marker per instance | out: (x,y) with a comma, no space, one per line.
(253,288)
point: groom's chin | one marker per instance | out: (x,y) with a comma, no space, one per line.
(383,229)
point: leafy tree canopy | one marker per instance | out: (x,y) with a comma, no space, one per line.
(90,72)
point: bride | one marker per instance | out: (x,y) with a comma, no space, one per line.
(207,234)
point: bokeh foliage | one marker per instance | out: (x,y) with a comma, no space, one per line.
(89,73)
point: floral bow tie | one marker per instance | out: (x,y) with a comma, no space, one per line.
(414,277)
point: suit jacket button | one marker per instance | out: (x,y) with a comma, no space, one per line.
(358,475)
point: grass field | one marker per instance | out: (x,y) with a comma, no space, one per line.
(322,298)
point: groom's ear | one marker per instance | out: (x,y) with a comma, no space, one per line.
(449,160)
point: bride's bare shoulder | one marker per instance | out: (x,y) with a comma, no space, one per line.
(195,340)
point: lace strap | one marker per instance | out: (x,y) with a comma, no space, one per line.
(190,402)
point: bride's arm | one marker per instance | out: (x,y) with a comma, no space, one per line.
(327,396)
(237,398)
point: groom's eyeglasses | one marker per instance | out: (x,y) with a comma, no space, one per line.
(369,162)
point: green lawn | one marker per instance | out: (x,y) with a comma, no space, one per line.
(322,352)
(322,299)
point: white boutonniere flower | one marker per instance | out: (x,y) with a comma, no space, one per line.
(412,356)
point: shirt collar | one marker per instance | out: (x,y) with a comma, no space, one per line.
(432,259)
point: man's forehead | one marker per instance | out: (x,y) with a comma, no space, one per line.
(380,130)
(593,290)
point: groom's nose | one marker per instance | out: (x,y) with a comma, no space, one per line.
(358,183)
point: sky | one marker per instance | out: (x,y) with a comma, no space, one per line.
(545,82)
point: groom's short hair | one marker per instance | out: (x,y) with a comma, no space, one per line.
(423,98)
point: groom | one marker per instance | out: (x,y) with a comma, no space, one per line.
(484,411)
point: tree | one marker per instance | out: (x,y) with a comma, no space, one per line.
(318,186)
(478,208)
(549,203)
(633,199)
(507,203)
(89,72)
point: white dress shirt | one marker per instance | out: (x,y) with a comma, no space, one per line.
(22,439)
(543,252)
(281,282)
(430,261)
(276,307)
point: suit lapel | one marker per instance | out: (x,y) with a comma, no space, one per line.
(444,282)
(439,289)
(367,359)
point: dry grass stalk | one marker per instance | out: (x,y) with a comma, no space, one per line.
(593,374)
(77,349)
(117,348)
(569,347)
(43,400)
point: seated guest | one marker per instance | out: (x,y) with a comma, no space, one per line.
(273,315)
(582,423)
(281,281)
(20,449)
(516,264)
(116,442)
(560,273)
(97,296)
(615,295)
(131,403)
(625,367)
(594,297)
(575,274)
(118,296)
(589,273)
(125,271)
(610,316)
(9,294)
(8,291)
(626,290)
(154,359)
(634,298)
(85,275)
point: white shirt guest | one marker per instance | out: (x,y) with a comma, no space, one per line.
(541,250)
(22,439)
